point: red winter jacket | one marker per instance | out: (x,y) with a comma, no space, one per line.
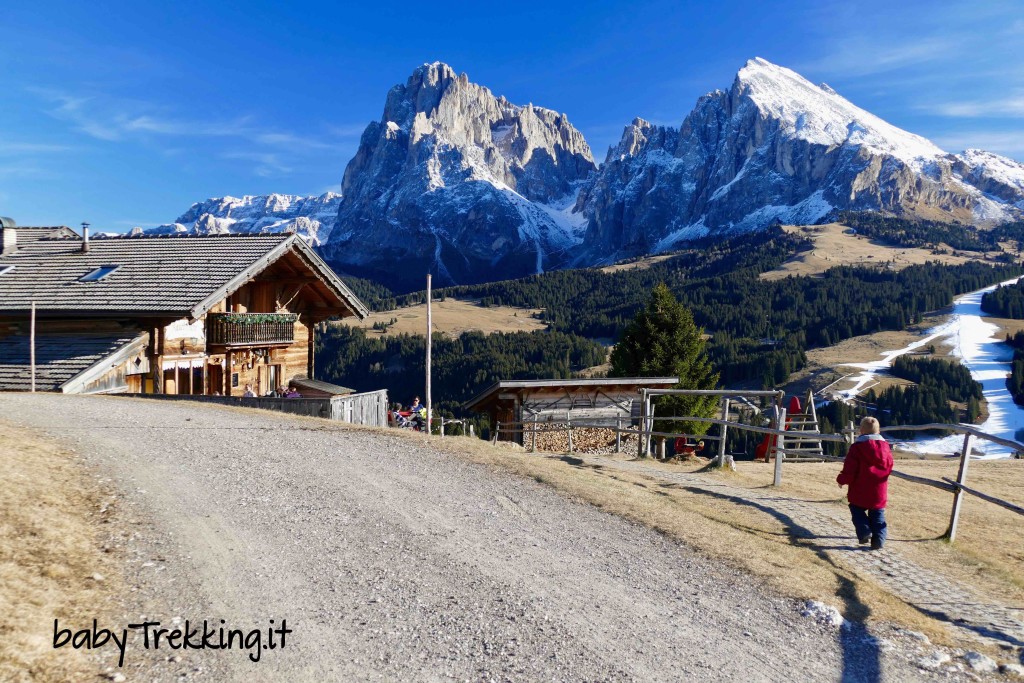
(866,471)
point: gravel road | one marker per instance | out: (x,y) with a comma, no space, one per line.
(392,560)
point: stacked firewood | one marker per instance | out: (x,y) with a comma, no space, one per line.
(553,437)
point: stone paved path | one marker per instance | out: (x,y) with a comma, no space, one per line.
(927,591)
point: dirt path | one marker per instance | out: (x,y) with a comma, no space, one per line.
(828,532)
(391,560)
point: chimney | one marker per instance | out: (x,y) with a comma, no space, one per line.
(9,236)
(85,238)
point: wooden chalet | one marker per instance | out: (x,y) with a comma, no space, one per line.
(601,401)
(167,315)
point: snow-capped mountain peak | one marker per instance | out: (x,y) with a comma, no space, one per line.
(776,147)
(457,180)
(822,116)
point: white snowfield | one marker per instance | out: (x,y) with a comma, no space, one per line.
(981,349)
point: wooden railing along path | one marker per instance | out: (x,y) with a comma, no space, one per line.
(645,431)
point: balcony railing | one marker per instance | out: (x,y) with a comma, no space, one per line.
(250,329)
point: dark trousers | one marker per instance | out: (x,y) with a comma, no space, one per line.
(869,523)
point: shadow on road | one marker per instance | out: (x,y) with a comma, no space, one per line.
(861,656)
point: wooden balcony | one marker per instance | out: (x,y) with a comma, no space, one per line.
(250,329)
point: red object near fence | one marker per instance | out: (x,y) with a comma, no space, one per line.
(764,449)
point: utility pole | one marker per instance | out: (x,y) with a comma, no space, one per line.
(430,407)
(32,346)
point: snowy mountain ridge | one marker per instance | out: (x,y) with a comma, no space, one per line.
(776,147)
(310,217)
(465,184)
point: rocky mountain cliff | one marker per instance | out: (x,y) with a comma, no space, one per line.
(776,147)
(460,182)
(310,217)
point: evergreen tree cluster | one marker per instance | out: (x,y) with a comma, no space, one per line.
(664,341)
(929,234)
(1015,380)
(760,329)
(939,384)
(954,378)
(1005,301)
(376,296)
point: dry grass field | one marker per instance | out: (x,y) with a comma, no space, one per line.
(51,562)
(833,247)
(453,317)
(988,554)
(636,264)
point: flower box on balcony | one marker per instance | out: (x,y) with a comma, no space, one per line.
(250,329)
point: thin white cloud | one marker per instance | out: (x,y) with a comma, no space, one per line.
(290,140)
(10,148)
(96,118)
(1010,107)
(267,164)
(868,56)
(23,170)
(175,127)
(275,151)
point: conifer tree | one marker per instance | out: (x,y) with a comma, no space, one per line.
(664,341)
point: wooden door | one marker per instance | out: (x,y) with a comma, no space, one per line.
(215,379)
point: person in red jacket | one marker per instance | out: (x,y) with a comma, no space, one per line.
(866,470)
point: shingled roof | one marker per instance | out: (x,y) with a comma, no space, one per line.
(59,358)
(31,233)
(171,276)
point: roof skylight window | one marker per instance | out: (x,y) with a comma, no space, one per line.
(6,269)
(98,274)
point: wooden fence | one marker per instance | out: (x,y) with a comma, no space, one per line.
(645,430)
(369,408)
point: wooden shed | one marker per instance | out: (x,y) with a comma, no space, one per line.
(600,401)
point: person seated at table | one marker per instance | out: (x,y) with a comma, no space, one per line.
(397,417)
(418,414)
(292,392)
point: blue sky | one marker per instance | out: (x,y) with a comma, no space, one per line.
(125,114)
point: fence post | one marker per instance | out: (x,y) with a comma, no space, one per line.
(618,434)
(497,428)
(661,448)
(442,426)
(472,431)
(568,421)
(533,439)
(721,444)
(780,447)
(650,425)
(641,425)
(958,495)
